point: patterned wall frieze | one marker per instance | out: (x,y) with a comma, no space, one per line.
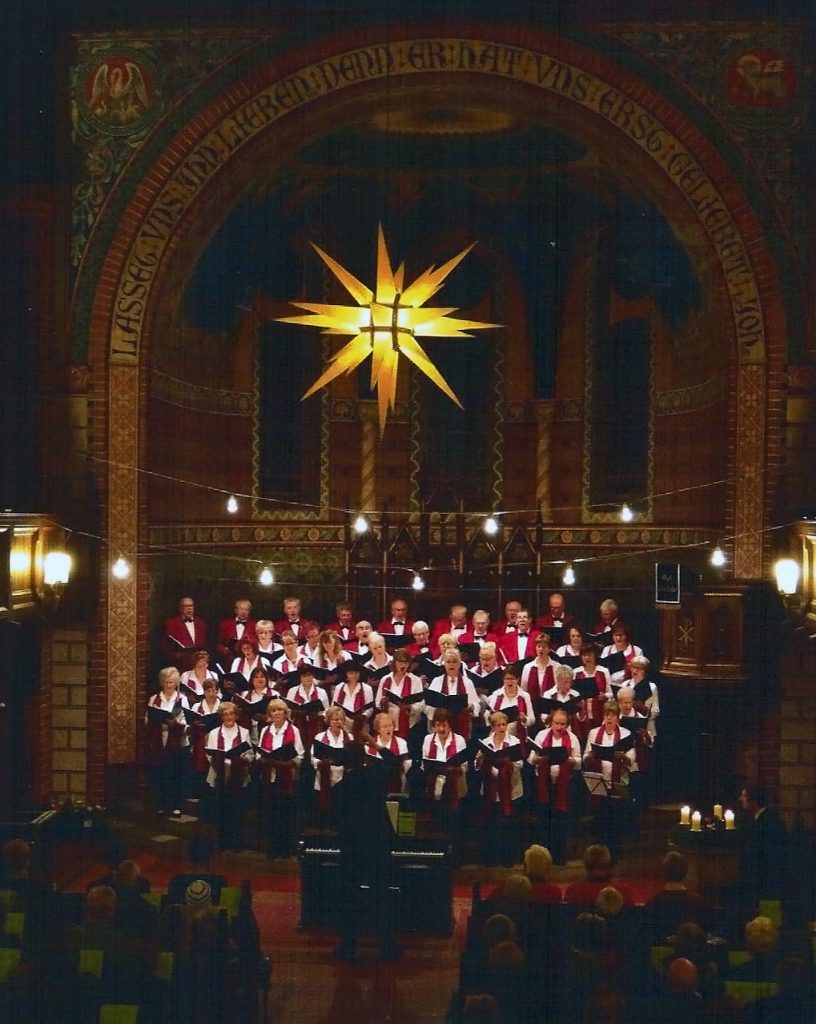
(229,536)
(568,410)
(690,399)
(198,398)
(227,539)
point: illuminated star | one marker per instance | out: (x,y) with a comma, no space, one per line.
(385,323)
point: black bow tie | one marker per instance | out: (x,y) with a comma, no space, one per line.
(188,620)
(397,622)
(524,634)
(478,636)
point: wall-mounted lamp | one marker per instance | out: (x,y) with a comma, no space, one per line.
(718,558)
(568,579)
(787,574)
(360,524)
(491,526)
(56,571)
(266,579)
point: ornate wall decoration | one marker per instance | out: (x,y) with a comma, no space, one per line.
(698,396)
(119,89)
(123,519)
(198,398)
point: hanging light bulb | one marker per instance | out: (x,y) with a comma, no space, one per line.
(232,504)
(121,568)
(491,526)
(718,558)
(568,579)
(626,514)
(418,583)
(360,524)
(266,579)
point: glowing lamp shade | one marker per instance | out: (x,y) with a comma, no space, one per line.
(418,582)
(568,579)
(718,558)
(232,504)
(491,526)
(787,572)
(56,568)
(266,579)
(626,514)
(360,524)
(120,569)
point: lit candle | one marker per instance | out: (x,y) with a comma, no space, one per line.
(696,819)
(729,821)
(684,815)
(718,812)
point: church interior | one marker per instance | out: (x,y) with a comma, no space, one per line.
(440,305)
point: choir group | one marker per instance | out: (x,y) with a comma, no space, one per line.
(517,720)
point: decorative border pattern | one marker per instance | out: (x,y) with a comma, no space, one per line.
(198,398)
(123,502)
(750,461)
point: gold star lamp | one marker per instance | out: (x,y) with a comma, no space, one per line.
(386,323)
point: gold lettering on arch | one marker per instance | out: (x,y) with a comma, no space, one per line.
(424,56)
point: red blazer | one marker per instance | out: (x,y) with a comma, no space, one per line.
(299,629)
(176,627)
(226,633)
(441,626)
(335,627)
(467,638)
(386,626)
(508,646)
(432,653)
(547,621)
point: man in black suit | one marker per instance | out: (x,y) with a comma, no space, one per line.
(762,860)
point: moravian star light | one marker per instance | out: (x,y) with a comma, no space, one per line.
(386,323)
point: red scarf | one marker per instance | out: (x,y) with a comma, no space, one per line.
(536,685)
(156,748)
(562,782)
(501,784)
(358,697)
(463,722)
(404,720)
(451,788)
(324,772)
(236,775)
(617,764)
(284,773)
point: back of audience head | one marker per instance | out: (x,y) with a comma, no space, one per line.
(100,904)
(761,935)
(675,867)
(481,1009)
(537,863)
(682,975)
(506,956)
(598,862)
(499,928)
(127,874)
(16,856)
(589,934)
(609,902)
(517,888)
